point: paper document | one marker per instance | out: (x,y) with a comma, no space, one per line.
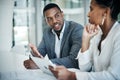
(43,64)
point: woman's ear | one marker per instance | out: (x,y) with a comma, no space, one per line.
(107,12)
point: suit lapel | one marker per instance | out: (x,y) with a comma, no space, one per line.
(52,46)
(64,35)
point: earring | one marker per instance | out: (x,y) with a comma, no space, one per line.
(104,17)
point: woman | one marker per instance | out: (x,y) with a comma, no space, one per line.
(100,53)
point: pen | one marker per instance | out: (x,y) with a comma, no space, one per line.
(30,57)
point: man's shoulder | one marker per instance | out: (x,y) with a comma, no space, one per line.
(72,24)
(47,30)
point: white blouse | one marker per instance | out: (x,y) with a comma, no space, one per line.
(105,66)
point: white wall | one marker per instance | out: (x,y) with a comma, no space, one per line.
(6,13)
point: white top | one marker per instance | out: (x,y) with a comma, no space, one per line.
(105,66)
(58,41)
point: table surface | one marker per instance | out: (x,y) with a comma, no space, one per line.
(11,68)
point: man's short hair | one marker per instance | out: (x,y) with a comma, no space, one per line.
(49,6)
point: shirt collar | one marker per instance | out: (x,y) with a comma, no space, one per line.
(62,31)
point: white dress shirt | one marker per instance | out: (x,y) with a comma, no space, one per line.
(58,41)
(105,66)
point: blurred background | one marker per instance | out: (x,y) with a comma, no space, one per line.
(22,21)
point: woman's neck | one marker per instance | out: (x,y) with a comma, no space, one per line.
(107,26)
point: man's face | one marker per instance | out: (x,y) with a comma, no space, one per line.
(54,18)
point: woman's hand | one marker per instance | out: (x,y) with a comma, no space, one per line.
(35,51)
(90,30)
(61,73)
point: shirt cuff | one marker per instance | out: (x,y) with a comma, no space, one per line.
(81,75)
(84,57)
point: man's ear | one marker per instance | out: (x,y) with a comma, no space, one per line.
(62,13)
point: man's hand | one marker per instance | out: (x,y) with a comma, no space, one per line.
(35,51)
(29,64)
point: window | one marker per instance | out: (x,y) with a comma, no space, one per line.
(23,19)
(75,10)
(29,23)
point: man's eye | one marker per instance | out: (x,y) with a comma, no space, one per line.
(57,15)
(49,19)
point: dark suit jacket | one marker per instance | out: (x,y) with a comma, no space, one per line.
(70,45)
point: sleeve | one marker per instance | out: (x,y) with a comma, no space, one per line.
(84,60)
(42,48)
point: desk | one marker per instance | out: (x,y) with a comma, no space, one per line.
(11,68)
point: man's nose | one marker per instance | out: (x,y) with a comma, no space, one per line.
(54,20)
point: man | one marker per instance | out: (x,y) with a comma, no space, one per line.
(61,40)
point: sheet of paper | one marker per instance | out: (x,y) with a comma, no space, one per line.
(43,64)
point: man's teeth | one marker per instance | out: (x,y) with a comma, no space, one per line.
(57,25)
